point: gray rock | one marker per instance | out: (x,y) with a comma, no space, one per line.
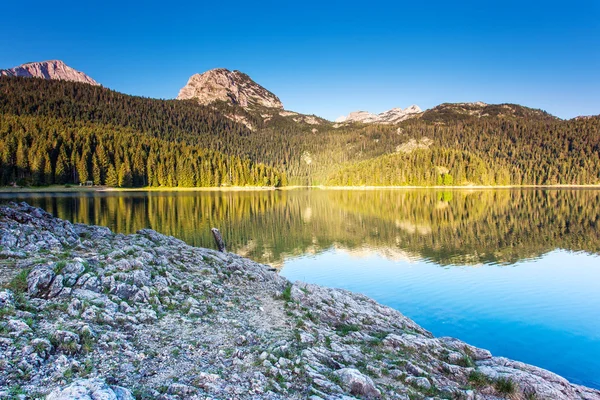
(420,382)
(357,383)
(7,299)
(158,314)
(53,69)
(66,341)
(17,327)
(39,280)
(90,389)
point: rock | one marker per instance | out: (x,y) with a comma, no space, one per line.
(66,341)
(420,382)
(7,299)
(39,280)
(232,87)
(17,327)
(357,383)
(92,389)
(392,116)
(53,69)
(42,347)
(150,312)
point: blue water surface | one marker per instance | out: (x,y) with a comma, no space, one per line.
(544,311)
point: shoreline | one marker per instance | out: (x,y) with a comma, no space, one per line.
(106,189)
(148,314)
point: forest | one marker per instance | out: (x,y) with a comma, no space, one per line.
(523,147)
(42,151)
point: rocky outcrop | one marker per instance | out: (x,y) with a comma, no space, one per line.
(94,314)
(233,87)
(392,116)
(53,69)
(90,389)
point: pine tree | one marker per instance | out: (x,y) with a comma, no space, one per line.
(125,178)
(96,171)
(112,179)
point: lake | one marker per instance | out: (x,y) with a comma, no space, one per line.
(513,271)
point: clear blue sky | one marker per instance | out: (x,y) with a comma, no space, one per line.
(327,58)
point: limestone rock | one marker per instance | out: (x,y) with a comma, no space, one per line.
(7,299)
(233,87)
(155,314)
(84,389)
(52,69)
(392,116)
(357,383)
(40,280)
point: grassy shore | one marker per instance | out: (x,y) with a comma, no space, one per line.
(91,189)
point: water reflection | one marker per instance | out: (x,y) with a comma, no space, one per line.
(459,227)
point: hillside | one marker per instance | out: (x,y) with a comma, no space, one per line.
(447,112)
(36,150)
(513,144)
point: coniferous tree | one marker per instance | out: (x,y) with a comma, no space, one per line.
(112,179)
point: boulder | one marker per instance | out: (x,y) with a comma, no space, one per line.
(357,383)
(86,389)
(39,280)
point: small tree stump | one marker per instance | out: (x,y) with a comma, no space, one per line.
(218,240)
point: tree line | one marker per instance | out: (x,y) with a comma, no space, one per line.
(519,146)
(44,151)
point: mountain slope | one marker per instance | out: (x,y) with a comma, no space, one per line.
(53,69)
(460,111)
(519,146)
(233,87)
(393,116)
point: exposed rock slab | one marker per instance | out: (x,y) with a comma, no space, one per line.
(392,116)
(233,87)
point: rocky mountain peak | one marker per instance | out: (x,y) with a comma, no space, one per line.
(392,116)
(52,69)
(234,87)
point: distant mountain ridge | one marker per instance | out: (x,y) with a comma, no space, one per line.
(461,111)
(233,87)
(392,116)
(236,88)
(51,69)
(460,144)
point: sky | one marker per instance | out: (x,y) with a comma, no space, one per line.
(327,57)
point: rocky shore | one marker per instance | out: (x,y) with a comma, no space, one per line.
(89,314)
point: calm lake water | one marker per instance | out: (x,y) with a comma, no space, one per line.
(513,271)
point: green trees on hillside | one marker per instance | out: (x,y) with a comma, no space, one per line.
(417,168)
(42,151)
(520,147)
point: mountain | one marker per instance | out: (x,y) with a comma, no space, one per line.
(461,111)
(488,145)
(233,87)
(53,69)
(392,116)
